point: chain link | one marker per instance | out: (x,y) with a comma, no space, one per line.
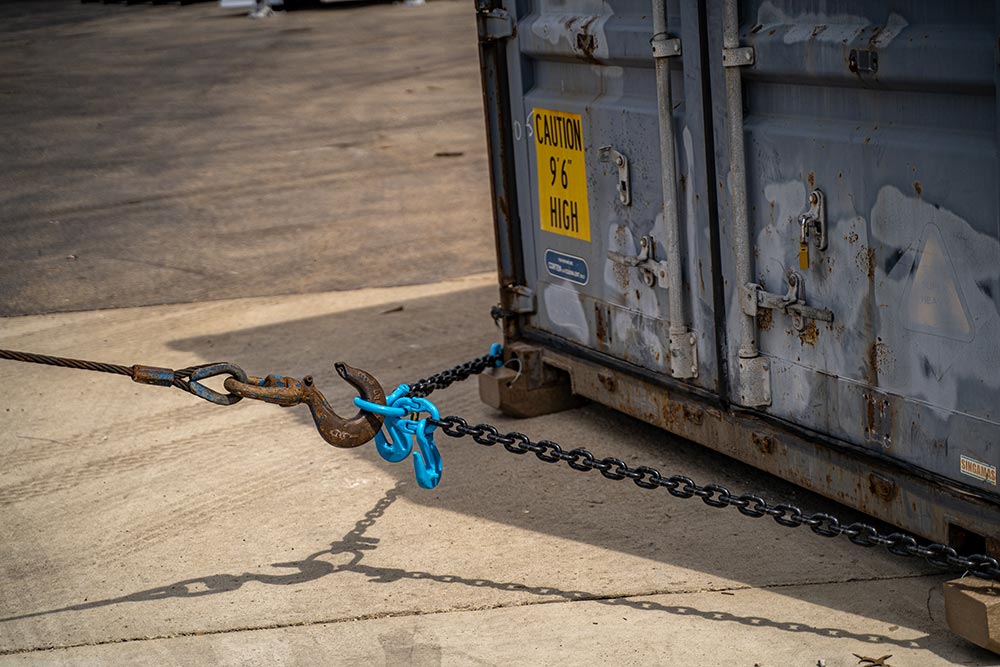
(679,486)
(423,388)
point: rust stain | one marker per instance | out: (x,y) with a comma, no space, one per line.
(865,260)
(671,413)
(919,189)
(868,140)
(601,326)
(621,274)
(693,414)
(872,369)
(607,381)
(701,277)
(763,443)
(810,334)
(875,33)
(852,238)
(765,319)
(684,183)
(817,30)
(882,488)
(812,180)
(586,43)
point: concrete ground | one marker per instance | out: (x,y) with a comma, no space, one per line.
(142,526)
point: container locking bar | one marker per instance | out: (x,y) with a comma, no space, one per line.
(754,371)
(683,345)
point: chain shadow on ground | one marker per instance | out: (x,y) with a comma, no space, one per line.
(409,341)
(355,543)
(400,341)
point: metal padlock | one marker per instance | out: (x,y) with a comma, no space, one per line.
(803,255)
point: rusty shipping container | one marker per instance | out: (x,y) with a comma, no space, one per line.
(767,226)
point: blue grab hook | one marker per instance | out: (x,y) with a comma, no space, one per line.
(403,431)
(401,428)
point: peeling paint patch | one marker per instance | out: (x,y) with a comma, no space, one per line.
(565,311)
(882,357)
(865,259)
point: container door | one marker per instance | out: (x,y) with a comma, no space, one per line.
(587,151)
(870,134)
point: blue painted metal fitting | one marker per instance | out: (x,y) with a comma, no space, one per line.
(395,442)
(496,350)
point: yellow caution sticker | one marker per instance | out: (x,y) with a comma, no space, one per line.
(562,173)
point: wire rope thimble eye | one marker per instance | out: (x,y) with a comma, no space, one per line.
(339,431)
(211,370)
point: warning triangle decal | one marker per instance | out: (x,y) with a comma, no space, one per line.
(933,302)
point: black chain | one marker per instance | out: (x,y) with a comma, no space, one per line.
(679,486)
(423,388)
(715,495)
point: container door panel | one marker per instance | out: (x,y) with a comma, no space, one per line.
(582,80)
(889,111)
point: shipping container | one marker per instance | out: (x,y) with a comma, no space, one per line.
(770,227)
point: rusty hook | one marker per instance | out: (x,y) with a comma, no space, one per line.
(336,430)
(333,428)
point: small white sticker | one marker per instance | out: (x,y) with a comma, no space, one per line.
(984,472)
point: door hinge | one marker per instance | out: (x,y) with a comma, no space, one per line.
(520,299)
(666,47)
(683,354)
(738,57)
(755,382)
(495,24)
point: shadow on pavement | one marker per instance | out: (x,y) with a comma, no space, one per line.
(403,341)
(355,544)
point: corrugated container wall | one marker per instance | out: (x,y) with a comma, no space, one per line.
(772,228)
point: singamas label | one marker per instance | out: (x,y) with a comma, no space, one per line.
(981,471)
(562,173)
